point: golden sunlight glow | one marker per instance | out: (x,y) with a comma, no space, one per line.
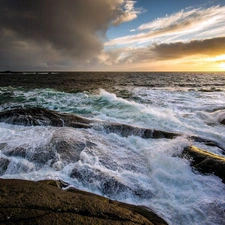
(219,61)
(199,63)
(216,58)
(222,66)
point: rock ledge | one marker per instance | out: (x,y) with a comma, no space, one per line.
(29,202)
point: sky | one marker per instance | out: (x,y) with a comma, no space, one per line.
(112,35)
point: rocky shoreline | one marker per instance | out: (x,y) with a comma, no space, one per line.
(43,202)
(203,161)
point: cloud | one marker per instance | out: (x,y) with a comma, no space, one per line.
(186,19)
(213,48)
(129,13)
(211,20)
(56,33)
(208,47)
(171,39)
(70,35)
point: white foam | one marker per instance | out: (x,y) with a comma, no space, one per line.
(121,110)
(137,171)
(140,171)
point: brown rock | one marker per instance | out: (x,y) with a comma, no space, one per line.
(206,162)
(28,202)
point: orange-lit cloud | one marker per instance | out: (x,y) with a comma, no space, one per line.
(205,54)
(208,47)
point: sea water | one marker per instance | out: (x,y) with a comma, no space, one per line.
(130,169)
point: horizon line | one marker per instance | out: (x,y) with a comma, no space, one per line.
(109,71)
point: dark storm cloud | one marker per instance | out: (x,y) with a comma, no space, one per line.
(209,47)
(51,32)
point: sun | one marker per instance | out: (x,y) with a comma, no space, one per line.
(222,66)
(218,62)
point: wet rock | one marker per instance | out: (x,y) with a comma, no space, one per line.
(55,183)
(44,117)
(222,121)
(64,144)
(206,162)
(218,116)
(16,167)
(38,155)
(122,129)
(127,130)
(108,185)
(2,145)
(62,148)
(3,165)
(18,151)
(28,202)
(159,134)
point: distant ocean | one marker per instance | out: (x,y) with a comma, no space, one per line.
(129,169)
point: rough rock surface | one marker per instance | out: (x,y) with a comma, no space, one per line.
(3,165)
(222,121)
(28,202)
(206,162)
(42,117)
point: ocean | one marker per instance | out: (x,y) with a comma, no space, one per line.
(130,169)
